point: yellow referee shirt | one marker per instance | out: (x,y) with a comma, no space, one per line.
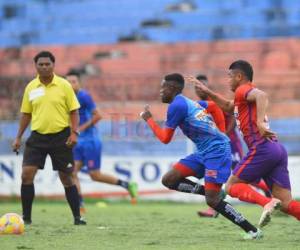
(49,105)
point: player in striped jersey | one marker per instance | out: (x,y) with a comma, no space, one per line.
(226,123)
(267,158)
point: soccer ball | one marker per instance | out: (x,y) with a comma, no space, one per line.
(11,223)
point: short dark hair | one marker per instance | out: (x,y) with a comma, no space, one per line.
(44,54)
(73,72)
(202,77)
(176,78)
(243,66)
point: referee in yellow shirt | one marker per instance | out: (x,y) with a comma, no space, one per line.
(51,106)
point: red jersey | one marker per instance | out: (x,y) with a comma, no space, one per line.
(246,115)
(217,114)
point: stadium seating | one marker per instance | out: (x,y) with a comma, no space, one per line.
(205,37)
(136,69)
(91,21)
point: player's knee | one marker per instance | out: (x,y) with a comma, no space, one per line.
(171,179)
(74,175)
(66,179)
(27,177)
(165,181)
(168,181)
(68,182)
(227,188)
(94,177)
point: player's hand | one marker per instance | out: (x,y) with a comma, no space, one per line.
(146,114)
(72,140)
(198,84)
(265,131)
(16,145)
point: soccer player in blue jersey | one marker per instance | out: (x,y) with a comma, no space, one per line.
(212,160)
(87,152)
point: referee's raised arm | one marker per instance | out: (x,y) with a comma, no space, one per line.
(51,106)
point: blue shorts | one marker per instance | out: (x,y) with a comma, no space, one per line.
(89,153)
(236,152)
(214,167)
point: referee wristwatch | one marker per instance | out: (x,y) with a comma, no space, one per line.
(76,132)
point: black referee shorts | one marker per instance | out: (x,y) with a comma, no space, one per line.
(38,146)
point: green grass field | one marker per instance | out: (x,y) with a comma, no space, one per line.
(148,225)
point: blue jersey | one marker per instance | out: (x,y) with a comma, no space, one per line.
(87,106)
(195,123)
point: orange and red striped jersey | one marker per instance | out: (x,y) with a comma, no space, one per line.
(245,113)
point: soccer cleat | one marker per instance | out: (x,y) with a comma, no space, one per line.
(133,191)
(79,221)
(209,212)
(269,208)
(253,235)
(27,221)
(133,201)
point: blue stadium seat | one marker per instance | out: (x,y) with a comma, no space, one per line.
(212,20)
(172,35)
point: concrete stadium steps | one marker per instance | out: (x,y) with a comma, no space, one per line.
(133,71)
(124,88)
(5,107)
(131,110)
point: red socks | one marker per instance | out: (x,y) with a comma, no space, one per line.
(244,192)
(294,209)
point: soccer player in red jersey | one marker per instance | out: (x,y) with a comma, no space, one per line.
(225,123)
(219,119)
(212,108)
(266,158)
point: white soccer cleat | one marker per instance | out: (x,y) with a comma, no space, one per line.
(253,235)
(269,208)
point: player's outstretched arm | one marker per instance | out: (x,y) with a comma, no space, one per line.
(261,99)
(163,134)
(231,123)
(225,104)
(217,115)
